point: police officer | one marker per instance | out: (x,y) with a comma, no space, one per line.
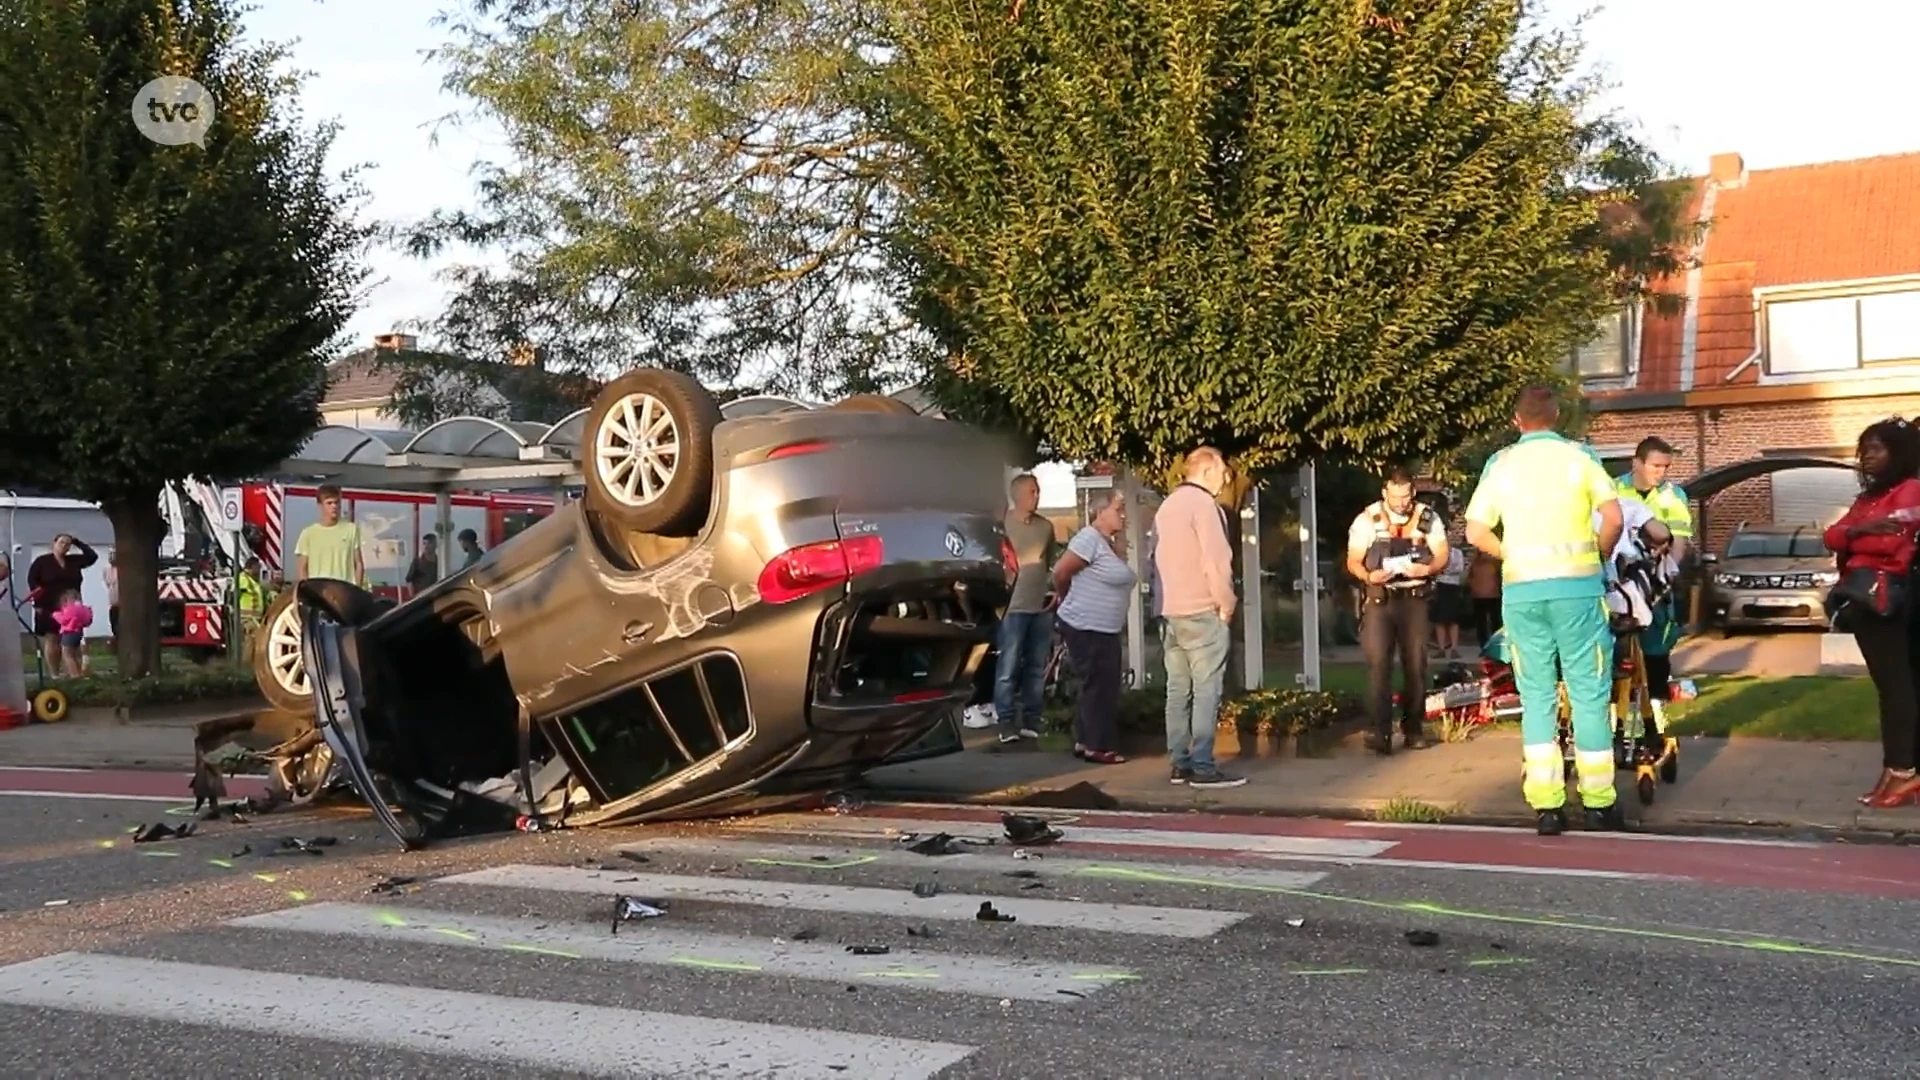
(1394,548)
(1543,493)
(1647,482)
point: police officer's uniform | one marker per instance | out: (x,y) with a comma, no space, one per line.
(1395,615)
(1542,493)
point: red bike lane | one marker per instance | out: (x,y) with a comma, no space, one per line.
(150,785)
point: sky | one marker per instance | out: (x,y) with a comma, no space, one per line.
(1816,82)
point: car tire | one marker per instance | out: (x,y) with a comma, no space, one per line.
(627,481)
(875,403)
(279,670)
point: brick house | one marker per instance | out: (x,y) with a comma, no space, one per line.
(1801,326)
(360,390)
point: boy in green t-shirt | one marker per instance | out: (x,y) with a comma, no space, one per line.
(331,548)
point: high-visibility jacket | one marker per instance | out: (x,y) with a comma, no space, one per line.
(253,600)
(1542,492)
(1668,503)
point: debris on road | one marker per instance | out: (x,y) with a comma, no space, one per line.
(392,884)
(1025,829)
(1023,873)
(937,844)
(989,913)
(56,903)
(1023,853)
(1422,939)
(922,931)
(163,831)
(293,845)
(630,907)
(869,950)
(805,933)
(634,856)
(1296,923)
(926,889)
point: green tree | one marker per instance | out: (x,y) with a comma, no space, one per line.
(1336,229)
(164,309)
(690,184)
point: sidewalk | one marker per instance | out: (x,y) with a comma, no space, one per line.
(110,744)
(1723,783)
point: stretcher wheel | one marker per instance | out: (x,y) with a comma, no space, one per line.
(50,706)
(1670,768)
(1645,786)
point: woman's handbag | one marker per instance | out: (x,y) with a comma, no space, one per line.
(1865,591)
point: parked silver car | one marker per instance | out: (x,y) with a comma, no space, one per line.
(1772,576)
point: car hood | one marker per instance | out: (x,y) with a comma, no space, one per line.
(1758,564)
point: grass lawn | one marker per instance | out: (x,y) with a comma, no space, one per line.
(1808,707)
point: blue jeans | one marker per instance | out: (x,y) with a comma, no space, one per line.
(1194,648)
(1026,639)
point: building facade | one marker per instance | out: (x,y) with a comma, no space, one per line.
(1801,325)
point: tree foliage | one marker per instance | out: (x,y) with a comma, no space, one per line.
(164,310)
(1289,229)
(691,185)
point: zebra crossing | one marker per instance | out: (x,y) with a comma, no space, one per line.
(543,923)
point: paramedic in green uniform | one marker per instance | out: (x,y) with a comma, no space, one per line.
(1647,481)
(1542,493)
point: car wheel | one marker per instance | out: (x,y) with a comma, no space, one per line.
(876,403)
(649,452)
(279,669)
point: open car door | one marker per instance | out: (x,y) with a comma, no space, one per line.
(332,670)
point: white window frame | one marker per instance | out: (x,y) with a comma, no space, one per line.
(1856,291)
(1629,313)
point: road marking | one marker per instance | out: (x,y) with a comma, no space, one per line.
(1389,863)
(1662,838)
(530,1032)
(850,899)
(830,858)
(1251,843)
(990,976)
(88,795)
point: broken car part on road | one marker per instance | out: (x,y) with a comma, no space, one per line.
(741,614)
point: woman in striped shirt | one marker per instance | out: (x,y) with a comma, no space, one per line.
(1096,585)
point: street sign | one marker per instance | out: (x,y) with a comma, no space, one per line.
(230,514)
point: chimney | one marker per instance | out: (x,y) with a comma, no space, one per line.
(1727,170)
(394,342)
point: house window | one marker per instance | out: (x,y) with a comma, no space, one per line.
(1842,333)
(1605,357)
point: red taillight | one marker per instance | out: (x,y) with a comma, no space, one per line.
(796,449)
(812,567)
(912,696)
(1009,560)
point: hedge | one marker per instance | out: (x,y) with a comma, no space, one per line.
(171,686)
(1278,711)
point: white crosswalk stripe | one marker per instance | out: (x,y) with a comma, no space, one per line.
(474,915)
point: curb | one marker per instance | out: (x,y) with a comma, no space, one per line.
(1014,799)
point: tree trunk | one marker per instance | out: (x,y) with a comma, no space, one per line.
(136,545)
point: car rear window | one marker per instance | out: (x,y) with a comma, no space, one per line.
(1799,544)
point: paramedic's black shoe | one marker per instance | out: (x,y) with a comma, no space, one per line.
(1379,744)
(1606,819)
(1551,822)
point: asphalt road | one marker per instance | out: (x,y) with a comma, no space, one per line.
(1219,948)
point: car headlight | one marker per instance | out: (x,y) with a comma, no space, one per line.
(1728,580)
(1827,577)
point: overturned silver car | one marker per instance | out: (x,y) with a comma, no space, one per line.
(741,614)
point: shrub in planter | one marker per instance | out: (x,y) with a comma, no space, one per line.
(213,682)
(1285,711)
(1142,712)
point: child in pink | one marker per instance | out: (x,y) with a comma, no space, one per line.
(72,618)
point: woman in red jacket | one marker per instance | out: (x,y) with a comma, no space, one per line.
(1875,548)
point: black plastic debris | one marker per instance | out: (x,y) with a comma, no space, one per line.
(805,933)
(1025,829)
(937,844)
(294,845)
(1070,993)
(1023,873)
(869,950)
(245,849)
(162,831)
(926,889)
(1423,939)
(630,907)
(1035,885)
(922,932)
(391,885)
(989,913)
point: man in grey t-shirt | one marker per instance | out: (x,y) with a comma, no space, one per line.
(1026,634)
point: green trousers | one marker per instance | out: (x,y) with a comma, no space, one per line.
(1554,641)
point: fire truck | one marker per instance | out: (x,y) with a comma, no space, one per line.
(212,532)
